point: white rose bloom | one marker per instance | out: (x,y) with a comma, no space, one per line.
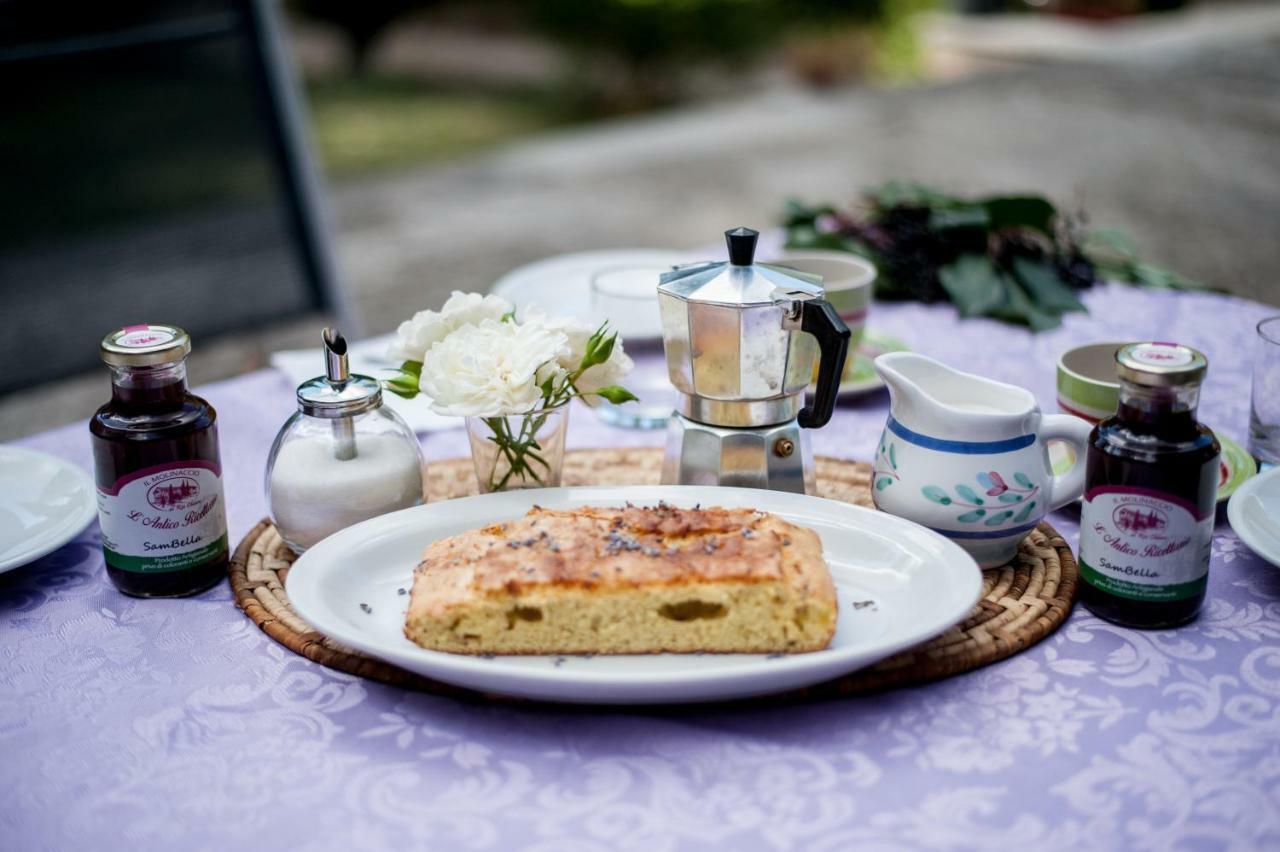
(491,368)
(578,332)
(416,336)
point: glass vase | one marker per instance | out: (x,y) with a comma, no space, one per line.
(518,451)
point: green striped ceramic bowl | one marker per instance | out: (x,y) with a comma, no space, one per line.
(1087,383)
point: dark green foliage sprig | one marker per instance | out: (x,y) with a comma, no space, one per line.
(1015,258)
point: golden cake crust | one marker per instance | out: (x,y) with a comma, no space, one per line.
(544,571)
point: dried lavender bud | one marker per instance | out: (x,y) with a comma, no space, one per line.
(618,542)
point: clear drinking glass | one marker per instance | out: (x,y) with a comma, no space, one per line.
(627,296)
(1264,413)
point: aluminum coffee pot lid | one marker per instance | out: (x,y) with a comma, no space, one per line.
(740,281)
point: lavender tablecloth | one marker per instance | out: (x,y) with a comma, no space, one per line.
(178,724)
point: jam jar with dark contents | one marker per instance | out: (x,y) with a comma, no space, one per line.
(1151,481)
(159,476)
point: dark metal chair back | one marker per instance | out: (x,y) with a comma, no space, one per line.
(153,168)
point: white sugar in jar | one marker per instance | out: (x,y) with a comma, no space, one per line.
(313,494)
(342,458)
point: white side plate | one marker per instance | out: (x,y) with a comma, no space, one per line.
(898,584)
(561,286)
(44,503)
(1254,513)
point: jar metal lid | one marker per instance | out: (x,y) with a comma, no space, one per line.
(145,345)
(319,397)
(1161,364)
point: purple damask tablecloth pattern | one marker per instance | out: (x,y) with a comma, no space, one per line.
(178,724)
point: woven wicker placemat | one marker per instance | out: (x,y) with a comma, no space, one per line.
(1022,602)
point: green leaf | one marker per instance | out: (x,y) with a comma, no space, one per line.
(617,395)
(548,387)
(1025,513)
(509,316)
(1116,259)
(1047,290)
(809,237)
(969,494)
(936,494)
(970,517)
(882,483)
(998,518)
(959,216)
(799,213)
(974,285)
(1019,308)
(893,457)
(1157,277)
(1010,497)
(1021,211)
(413,368)
(401,386)
(1022,479)
(895,193)
(1109,239)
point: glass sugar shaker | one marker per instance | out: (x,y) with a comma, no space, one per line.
(342,458)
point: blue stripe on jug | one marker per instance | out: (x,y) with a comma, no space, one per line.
(1008,531)
(971,448)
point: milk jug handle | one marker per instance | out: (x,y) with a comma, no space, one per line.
(1063,488)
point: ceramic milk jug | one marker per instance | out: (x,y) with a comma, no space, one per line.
(967,456)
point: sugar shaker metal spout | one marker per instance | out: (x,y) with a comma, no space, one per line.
(338,371)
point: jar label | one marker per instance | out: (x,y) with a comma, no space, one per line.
(1143,544)
(163,518)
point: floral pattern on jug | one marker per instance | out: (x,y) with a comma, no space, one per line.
(886,470)
(1014,503)
(989,438)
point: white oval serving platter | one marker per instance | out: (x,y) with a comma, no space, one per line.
(898,584)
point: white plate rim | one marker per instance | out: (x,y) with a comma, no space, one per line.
(304,595)
(510,284)
(1241,527)
(73,523)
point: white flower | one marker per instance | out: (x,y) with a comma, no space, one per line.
(578,332)
(491,368)
(416,336)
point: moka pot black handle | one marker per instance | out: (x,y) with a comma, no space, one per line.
(820,319)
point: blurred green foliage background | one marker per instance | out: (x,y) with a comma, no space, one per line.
(617,57)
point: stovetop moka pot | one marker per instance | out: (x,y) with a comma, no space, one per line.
(741,340)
